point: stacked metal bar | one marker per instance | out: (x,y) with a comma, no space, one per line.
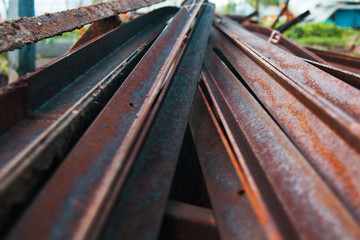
(182,125)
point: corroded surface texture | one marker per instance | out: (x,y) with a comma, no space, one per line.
(14,34)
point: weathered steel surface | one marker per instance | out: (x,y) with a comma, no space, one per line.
(89,180)
(340,60)
(349,77)
(231,207)
(283,42)
(31,149)
(14,34)
(288,183)
(320,132)
(297,116)
(98,144)
(149,182)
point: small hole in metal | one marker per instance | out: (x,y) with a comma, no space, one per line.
(131,105)
(241,192)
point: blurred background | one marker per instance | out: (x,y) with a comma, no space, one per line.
(332,25)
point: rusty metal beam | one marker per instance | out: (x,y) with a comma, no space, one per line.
(14,34)
(232,209)
(340,60)
(296,97)
(349,77)
(35,144)
(282,41)
(273,164)
(97,168)
(149,182)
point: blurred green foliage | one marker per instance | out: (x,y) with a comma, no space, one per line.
(75,35)
(3,64)
(327,34)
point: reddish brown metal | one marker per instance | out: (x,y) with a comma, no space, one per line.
(349,77)
(283,42)
(230,204)
(96,29)
(78,86)
(288,184)
(319,131)
(89,180)
(14,34)
(340,60)
(316,84)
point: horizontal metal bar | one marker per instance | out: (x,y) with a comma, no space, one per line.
(14,34)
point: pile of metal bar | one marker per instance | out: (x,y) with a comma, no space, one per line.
(183,125)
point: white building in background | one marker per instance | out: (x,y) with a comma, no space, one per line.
(344,12)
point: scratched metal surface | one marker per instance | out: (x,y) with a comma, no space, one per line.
(14,34)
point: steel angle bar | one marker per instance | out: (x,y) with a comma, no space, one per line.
(87,183)
(286,182)
(282,41)
(64,70)
(14,34)
(321,85)
(233,212)
(326,147)
(340,60)
(31,150)
(140,207)
(349,77)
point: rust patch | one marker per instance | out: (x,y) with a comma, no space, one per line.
(15,34)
